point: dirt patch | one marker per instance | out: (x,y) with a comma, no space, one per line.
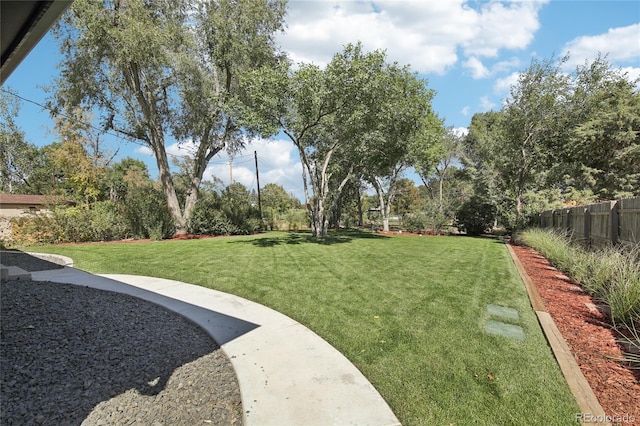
(586,326)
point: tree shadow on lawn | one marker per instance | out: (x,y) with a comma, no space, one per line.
(305,237)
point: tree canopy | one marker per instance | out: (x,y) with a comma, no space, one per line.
(559,138)
(163,71)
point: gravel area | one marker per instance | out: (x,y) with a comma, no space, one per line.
(75,355)
(27,262)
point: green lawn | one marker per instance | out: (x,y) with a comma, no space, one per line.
(409,312)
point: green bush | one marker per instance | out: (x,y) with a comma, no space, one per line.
(146,213)
(297,219)
(35,229)
(476,216)
(415,222)
(206,221)
(107,224)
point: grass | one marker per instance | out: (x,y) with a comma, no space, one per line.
(611,274)
(409,312)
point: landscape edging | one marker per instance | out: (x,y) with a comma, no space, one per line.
(584,395)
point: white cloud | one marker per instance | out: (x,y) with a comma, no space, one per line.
(503,85)
(178,149)
(426,34)
(144,150)
(633,74)
(478,70)
(461,131)
(503,26)
(486,104)
(465,111)
(278,162)
(620,45)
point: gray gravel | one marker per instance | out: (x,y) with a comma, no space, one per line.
(75,355)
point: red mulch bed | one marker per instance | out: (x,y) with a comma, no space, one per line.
(586,326)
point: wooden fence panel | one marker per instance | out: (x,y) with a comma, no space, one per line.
(629,220)
(546,219)
(579,224)
(606,223)
(562,219)
(600,223)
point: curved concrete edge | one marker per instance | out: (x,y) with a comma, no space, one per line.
(287,373)
(58,259)
(582,392)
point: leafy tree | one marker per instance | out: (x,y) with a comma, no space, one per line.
(125,173)
(476,216)
(426,147)
(351,119)
(403,103)
(240,207)
(79,157)
(19,159)
(535,115)
(274,196)
(407,197)
(603,151)
(304,104)
(482,158)
(161,69)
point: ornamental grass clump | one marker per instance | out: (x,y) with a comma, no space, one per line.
(611,274)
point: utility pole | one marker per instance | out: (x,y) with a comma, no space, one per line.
(255,154)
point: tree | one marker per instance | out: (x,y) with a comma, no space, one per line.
(313,108)
(510,149)
(603,151)
(403,108)
(274,196)
(124,174)
(407,197)
(353,118)
(535,115)
(19,159)
(79,157)
(161,69)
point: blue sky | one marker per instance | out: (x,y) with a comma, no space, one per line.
(469,51)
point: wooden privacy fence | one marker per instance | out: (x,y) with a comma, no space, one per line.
(610,222)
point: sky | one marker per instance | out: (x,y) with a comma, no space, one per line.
(469,52)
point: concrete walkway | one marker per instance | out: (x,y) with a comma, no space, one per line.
(288,375)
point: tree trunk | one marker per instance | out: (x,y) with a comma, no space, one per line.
(383,206)
(169,190)
(360,212)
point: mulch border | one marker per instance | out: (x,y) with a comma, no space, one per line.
(577,382)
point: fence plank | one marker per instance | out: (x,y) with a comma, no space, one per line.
(629,220)
(606,223)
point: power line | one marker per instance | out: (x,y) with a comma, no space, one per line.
(56,113)
(107,132)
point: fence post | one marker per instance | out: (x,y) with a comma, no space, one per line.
(586,232)
(613,222)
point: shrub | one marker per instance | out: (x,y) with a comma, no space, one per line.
(297,219)
(476,216)
(35,229)
(146,213)
(208,221)
(611,274)
(415,222)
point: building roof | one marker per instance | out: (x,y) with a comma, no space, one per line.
(23,24)
(39,200)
